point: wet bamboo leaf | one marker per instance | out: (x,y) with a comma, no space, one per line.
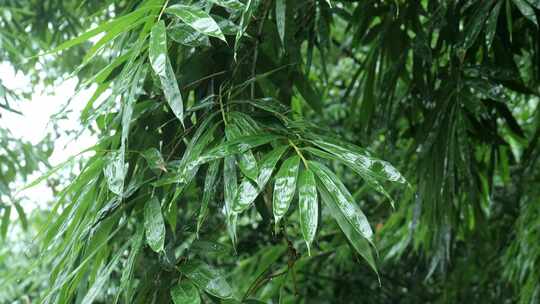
(197,19)
(229,192)
(308,206)
(359,243)
(209,191)
(22,215)
(5,221)
(207,278)
(122,21)
(244,22)
(342,202)
(154,225)
(248,191)
(230,4)
(526,10)
(285,187)
(475,26)
(491,24)
(185,293)
(115,172)
(161,65)
(280,19)
(246,160)
(154,159)
(236,146)
(184,34)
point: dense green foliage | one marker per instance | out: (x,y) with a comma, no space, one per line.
(250,151)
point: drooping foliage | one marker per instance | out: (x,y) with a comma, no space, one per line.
(247,149)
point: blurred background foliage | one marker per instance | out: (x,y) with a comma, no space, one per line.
(192,99)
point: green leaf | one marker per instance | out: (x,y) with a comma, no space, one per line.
(115,172)
(5,221)
(535,3)
(236,146)
(154,225)
(209,191)
(475,26)
(197,19)
(285,187)
(246,160)
(184,34)
(154,159)
(230,4)
(127,274)
(280,19)
(121,22)
(185,293)
(248,191)
(161,65)
(360,244)
(308,207)
(229,192)
(491,24)
(526,10)
(22,215)
(207,278)
(244,22)
(342,201)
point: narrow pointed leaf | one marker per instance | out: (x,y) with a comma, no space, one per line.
(244,22)
(280,19)
(197,19)
(184,34)
(307,205)
(342,201)
(154,225)
(491,24)
(246,160)
(185,293)
(154,159)
(209,191)
(526,10)
(285,187)
(5,221)
(207,278)
(239,145)
(230,4)
(229,193)
(248,191)
(359,243)
(161,65)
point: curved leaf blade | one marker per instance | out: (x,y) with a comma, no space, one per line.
(197,19)
(185,292)
(154,225)
(307,204)
(157,53)
(207,278)
(285,187)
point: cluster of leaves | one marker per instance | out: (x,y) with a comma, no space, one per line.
(230,132)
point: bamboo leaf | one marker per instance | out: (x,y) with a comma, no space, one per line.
(229,192)
(5,221)
(526,10)
(236,146)
(154,225)
(280,19)
(491,24)
(308,207)
(197,19)
(285,187)
(244,22)
(207,278)
(230,4)
(246,160)
(185,293)
(342,201)
(209,191)
(161,65)
(248,191)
